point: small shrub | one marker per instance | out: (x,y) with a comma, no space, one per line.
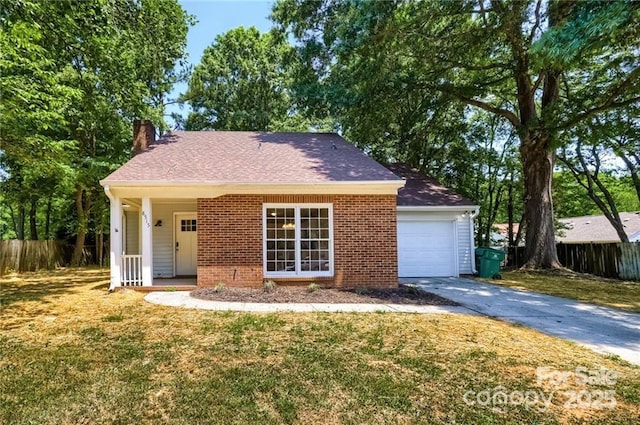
(412,290)
(269,285)
(361,290)
(219,287)
(313,287)
(170,289)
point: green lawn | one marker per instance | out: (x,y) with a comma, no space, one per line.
(591,289)
(72,354)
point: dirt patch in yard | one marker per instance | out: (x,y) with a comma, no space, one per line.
(287,294)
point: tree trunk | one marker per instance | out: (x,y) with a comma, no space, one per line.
(20,223)
(537,166)
(521,231)
(510,235)
(612,213)
(99,252)
(592,182)
(479,227)
(33,224)
(633,170)
(83,204)
(47,222)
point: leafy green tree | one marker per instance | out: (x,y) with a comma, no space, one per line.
(585,164)
(492,169)
(542,67)
(571,198)
(619,132)
(73,77)
(243,83)
(598,151)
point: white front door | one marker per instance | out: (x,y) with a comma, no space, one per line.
(186,244)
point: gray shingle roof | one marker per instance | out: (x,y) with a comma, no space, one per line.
(596,228)
(421,190)
(250,157)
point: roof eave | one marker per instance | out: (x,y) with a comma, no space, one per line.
(442,208)
(208,190)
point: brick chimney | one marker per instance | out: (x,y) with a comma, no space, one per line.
(144,134)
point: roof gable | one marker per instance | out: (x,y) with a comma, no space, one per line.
(220,157)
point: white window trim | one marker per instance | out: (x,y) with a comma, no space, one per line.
(298,272)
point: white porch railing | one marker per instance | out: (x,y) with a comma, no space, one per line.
(131,270)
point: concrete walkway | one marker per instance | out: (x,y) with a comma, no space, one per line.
(183,299)
(601,329)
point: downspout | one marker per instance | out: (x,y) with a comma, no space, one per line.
(107,190)
(473,215)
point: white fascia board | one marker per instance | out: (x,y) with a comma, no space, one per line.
(211,190)
(439,208)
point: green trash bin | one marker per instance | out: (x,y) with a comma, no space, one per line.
(488,262)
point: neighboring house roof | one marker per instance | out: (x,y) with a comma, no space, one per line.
(503,228)
(239,157)
(422,190)
(596,228)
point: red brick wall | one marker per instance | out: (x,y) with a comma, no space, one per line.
(230,241)
(364,230)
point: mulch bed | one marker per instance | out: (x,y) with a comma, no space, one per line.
(288,294)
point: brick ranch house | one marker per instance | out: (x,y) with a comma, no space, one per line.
(237,208)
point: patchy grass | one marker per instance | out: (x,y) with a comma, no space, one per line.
(72,353)
(587,288)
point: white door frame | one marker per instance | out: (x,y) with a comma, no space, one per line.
(175,225)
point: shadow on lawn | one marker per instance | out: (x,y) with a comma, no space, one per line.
(42,285)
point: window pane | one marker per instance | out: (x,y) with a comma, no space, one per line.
(188,225)
(315,239)
(280,239)
(282,247)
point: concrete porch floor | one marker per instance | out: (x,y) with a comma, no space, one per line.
(178,281)
(177,284)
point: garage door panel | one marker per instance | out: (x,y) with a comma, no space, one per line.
(426,249)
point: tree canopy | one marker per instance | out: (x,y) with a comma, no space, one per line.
(243,83)
(73,75)
(511,103)
(542,67)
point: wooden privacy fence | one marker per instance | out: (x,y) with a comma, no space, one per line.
(27,256)
(616,260)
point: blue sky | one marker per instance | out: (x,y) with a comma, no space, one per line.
(217,17)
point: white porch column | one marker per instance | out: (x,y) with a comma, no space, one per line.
(147,243)
(115,256)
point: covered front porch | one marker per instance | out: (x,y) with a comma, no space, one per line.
(153,243)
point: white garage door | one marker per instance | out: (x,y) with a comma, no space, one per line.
(426,249)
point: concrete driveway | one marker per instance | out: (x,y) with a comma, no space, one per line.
(602,329)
